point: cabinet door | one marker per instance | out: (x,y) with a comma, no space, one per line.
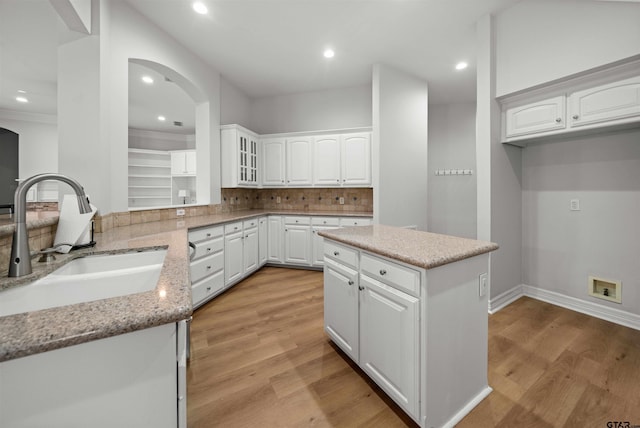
(263,241)
(341,307)
(542,116)
(273,157)
(250,250)
(190,162)
(178,163)
(299,168)
(275,243)
(390,342)
(604,103)
(326,160)
(317,245)
(356,159)
(233,254)
(297,244)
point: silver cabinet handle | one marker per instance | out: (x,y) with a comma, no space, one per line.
(208,267)
(208,235)
(575,116)
(193,253)
(558,120)
(335,253)
(383,272)
(350,282)
(360,287)
(208,250)
(208,288)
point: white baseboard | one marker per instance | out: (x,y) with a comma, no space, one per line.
(505,299)
(606,313)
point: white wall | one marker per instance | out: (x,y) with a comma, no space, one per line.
(37,144)
(499,174)
(452,143)
(399,148)
(312,111)
(542,40)
(235,105)
(562,247)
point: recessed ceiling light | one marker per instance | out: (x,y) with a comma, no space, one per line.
(147,79)
(20,91)
(162,118)
(200,8)
(461,65)
(329,53)
(22,99)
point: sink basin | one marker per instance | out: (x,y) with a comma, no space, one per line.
(86,279)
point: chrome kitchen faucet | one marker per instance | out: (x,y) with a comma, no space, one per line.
(20,263)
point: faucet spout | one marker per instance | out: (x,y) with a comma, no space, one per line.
(20,263)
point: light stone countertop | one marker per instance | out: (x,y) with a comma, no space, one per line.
(48,329)
(422,249)
(35,219)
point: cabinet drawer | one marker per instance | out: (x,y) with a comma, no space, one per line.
(207,266)
(390,273)
(232,227)
(325,221)
(340,253)
(248,224)
(207,287)
(205,233)
(355,221)
(205,248)
(298,220)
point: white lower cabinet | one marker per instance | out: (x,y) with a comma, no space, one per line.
(389,321)
(341,306)
(207,263)
(297,240)
(233,254)
(250,248)
(275,247)
(136,379)
(263,240)
(420,335)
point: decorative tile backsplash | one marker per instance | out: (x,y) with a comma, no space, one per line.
(356,200)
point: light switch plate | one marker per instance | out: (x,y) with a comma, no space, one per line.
(483,284)
(180,212)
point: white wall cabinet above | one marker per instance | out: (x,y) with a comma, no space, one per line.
(295,160)
(606,100)
(239,149)
(183,162)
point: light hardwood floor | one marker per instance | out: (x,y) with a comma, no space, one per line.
(260,358)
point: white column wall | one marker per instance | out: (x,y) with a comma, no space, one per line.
(399,148)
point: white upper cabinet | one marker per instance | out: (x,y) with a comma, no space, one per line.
(356,159)
(342,160)
(273,166)
(327,163)
(605,99)
(546,115)
(240,157)
(183,162)
(614,101)
(299,158)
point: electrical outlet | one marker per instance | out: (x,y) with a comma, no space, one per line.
(341,200)
(180,211)
(483,284)
(574,205)
(278,199)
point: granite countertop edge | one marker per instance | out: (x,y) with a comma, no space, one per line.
(45,330)
(421,249)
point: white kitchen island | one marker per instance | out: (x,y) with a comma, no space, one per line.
(410,308)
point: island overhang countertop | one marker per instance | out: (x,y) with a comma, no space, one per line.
(422,249)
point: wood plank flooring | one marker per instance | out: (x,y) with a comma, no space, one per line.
(260,358)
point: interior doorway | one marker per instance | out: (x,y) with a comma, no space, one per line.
(9,172)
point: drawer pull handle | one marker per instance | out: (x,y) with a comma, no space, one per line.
(360,287)
(208,249)
(558,120)
(208,235)
(383,272)
(575,117)
(335,253)
(208,288)
(350,282)
(208,267)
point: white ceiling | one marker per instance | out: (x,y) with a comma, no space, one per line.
(270,47)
